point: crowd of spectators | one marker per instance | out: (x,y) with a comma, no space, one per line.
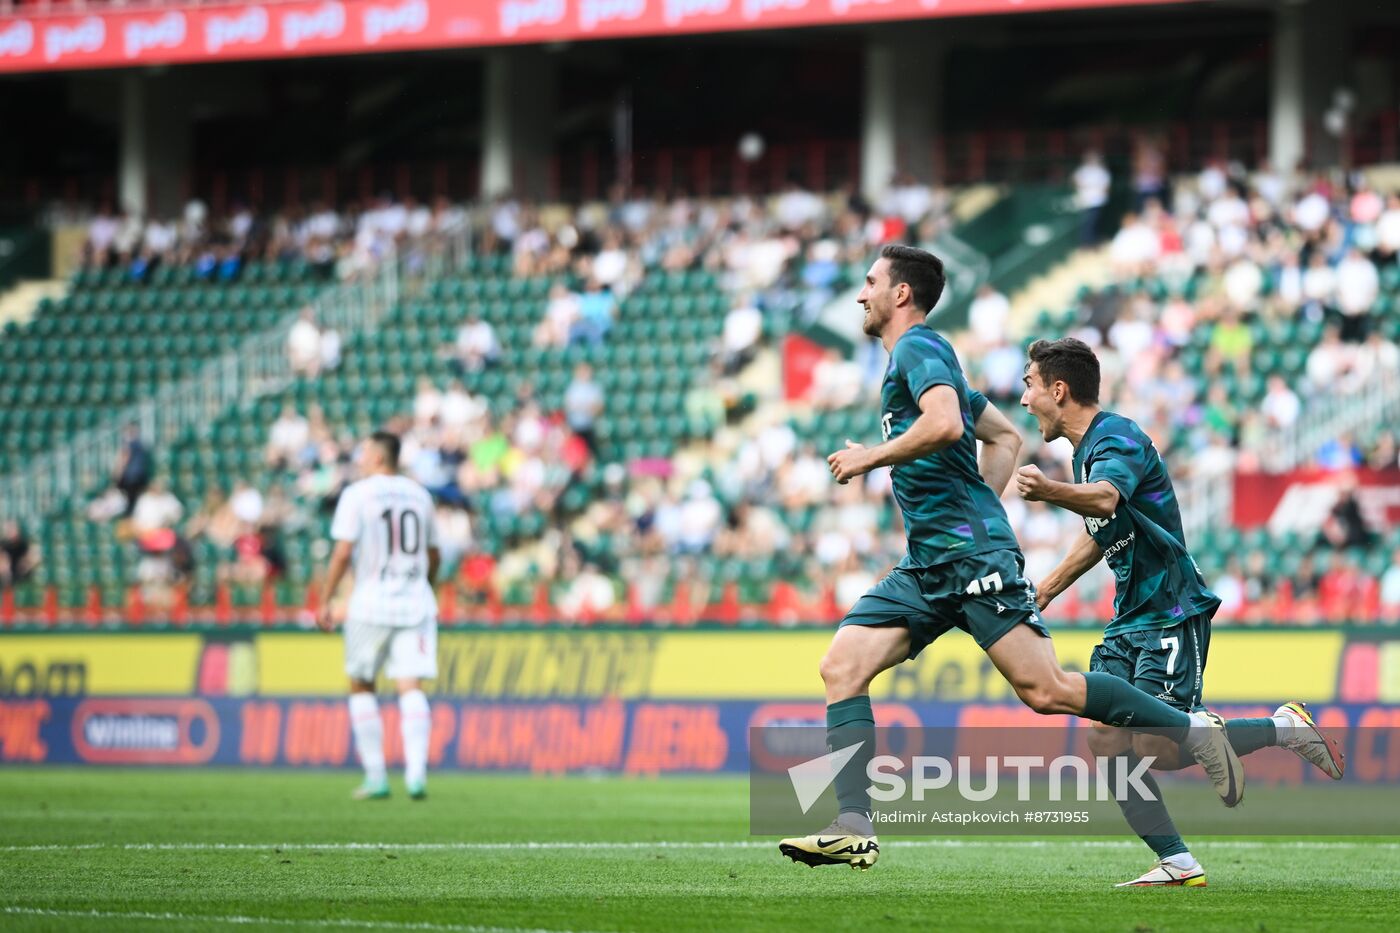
(339,243)
(761,496)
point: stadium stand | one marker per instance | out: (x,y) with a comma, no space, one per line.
(687,488)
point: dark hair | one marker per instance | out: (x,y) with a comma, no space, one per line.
(389,443)
(1069,361)
(919,269)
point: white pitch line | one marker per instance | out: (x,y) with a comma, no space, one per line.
(572,845)
(240,920)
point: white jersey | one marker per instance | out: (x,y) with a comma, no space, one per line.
(390,521)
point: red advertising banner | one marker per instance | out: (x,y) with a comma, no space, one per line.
(298,28)
(1302,499)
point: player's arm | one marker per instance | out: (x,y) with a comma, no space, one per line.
(346,527)
(1001,446)
(1092,500)
(1084,555)
(434,562)
(1117,463)
(335,572)
(939,425)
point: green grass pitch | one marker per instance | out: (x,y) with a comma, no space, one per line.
(89,850)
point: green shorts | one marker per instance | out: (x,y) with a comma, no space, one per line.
(985,595)
(1169,663)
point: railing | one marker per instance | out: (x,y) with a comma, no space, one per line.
(258,366)
(1208,501)
(1327,417)
(1205,502)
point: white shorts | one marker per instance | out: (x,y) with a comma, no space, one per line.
(401,651)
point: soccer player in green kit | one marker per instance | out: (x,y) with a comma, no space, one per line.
(1160,632)
(963,569)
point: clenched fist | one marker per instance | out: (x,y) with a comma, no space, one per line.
(1031,483)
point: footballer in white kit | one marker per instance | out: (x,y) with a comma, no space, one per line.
(383,527)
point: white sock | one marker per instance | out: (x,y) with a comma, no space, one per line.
(415,719)
(368,730)
(1182,860)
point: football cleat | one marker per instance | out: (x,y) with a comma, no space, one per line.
(418,791)
(371,790)
(1308,742)
(1166,875)
(1209,744)
(835,845)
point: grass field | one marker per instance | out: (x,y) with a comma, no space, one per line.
(219,850)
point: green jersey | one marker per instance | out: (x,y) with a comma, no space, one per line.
(949,511)
(1157,583)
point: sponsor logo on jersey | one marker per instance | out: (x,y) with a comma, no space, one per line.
(593,12)
(520,14)
(17,39)
(326,21)
(87,36)
(246,28)
(407,18)
(1113,549)
(168,32)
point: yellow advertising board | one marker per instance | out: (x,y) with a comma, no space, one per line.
(118,664)
(717,665)
(1243,667)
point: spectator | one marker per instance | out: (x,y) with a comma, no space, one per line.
(908,199)
(459,408)
(561,314)
(988,315)
(835,381)
(1358,286)
(1329,361)
(1260,587)
(133,469)
(589,595)
(1230,342)
(157,509)
(304,345)
(1134,247)
(1149,174)
(583,405)
(595,315)
(1390,588)
(796,207)
(476,347)
(743,326)
(18,555)
(1377,359)
(1339,453)
(1345,526)
(427,404)
(1091,187)
(1384,453)
(288,439)
(1280,405)
(247,504)
(1230,587)
(1388,230)
(214,521)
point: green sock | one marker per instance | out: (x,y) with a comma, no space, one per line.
(1112,700)
(848,722)
(1250,735)
(1148,818)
